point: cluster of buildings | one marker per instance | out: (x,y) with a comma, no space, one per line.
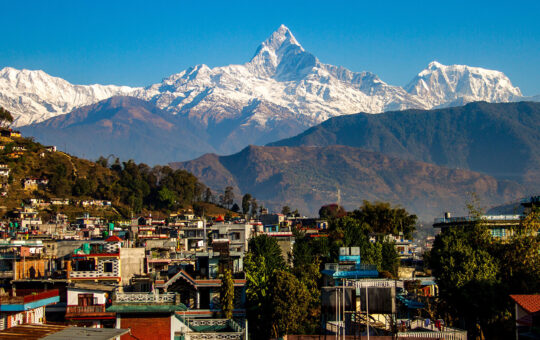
(159,278)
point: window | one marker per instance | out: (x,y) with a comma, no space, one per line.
(108,267)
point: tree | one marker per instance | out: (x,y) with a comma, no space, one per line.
(5,117)
(228,196)
(208,196)
(331,211)
(254,207)
(268,248)
(384,219)
(286,210)
(227,294)
(257,296)
(290,302)
(246,203)
(235,208)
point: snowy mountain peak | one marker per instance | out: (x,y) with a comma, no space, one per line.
(281,57)
(446,85)
(33,95)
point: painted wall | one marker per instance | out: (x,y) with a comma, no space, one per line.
(73,296)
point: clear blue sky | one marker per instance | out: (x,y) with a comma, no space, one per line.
(138,43)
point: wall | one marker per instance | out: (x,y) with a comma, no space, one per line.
(131,263)
(73,296)
(146,326)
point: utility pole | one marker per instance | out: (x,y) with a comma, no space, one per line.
(367,312)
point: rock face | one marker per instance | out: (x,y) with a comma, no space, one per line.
(308,177)
(280,92)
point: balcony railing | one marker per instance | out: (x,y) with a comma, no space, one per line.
(79,310)
(336,267)
(145,298)
(482,218)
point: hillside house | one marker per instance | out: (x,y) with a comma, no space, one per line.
(4,170)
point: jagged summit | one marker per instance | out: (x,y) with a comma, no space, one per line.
(282,57)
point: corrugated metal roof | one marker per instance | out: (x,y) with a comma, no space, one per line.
(87,333)
(30,331)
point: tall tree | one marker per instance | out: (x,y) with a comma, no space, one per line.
(228,196)
(227,294)
(208,196)
(246,203)
(254,206)
(290,302)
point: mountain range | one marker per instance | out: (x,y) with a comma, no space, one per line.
(501,140)
(280,92)
(307,177)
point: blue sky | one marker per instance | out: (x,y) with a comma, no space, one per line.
(138,43)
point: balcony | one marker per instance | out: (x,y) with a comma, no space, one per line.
(88,312)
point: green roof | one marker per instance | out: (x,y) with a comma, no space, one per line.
(146,308)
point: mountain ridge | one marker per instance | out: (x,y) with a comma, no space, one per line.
(498,139)
(306,177)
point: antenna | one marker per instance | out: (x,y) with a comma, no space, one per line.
(339,196)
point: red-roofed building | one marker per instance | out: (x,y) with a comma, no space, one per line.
(527,316)
(113,238)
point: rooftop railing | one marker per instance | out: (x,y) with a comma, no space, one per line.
(145,298)
(481,218)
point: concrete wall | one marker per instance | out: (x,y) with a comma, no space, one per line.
(131,263)
(73,296)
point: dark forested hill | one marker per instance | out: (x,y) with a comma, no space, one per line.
(502,140)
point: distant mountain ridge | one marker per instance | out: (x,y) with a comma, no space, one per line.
(280,92)
(126,127)
(307,177)
(502,140)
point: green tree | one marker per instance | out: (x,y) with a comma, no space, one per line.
(227,294)
(289,305)
(235,208)
(257,295)
(384,219)
(167,198)
(467,276)
(268,248)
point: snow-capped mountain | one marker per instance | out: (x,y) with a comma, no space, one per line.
(34,96)
(282,74)
(441,85)
(282,90)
